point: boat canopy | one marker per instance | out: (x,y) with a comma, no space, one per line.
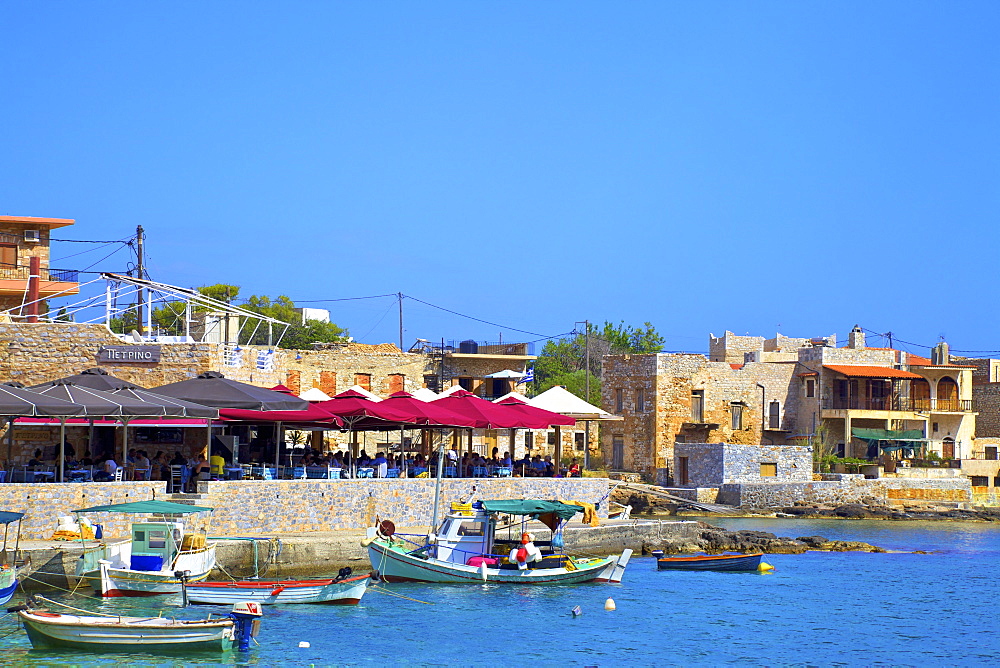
(8,517)
(532,507)
(151,506)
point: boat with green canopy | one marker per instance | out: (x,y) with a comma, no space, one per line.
(157,558)
(467,548)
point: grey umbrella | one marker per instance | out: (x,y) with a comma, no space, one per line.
(97,403)
(15,401)
(95,378)
(213,389)
(173,406)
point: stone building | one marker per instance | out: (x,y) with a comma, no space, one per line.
(24,246)
(33,353)
(752,390)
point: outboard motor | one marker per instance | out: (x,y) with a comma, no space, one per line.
(246,616)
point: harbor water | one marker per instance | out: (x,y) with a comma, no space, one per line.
(818,608)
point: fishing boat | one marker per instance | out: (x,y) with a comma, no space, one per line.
(9,571)
(710,562)
(342,590)
(157,558)
(109,633)
(466,549)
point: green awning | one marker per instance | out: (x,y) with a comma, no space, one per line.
(152,507)
(531,507)
(7,517)
(888,434)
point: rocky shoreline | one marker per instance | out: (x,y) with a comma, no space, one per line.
(714,540)
(652,506)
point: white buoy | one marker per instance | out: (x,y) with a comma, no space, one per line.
(576,612)
(610,604)
(304,644)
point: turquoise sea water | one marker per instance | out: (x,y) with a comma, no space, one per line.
(816,609)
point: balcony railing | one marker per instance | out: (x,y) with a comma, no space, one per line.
(22,273)
(907,404)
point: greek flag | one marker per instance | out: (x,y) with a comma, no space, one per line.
(529,376)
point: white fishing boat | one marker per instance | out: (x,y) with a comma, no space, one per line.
(110,633)
(344,590)
(467,549)
(156,559)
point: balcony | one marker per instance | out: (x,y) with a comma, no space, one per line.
(904,404)
(470,347)
(13,272)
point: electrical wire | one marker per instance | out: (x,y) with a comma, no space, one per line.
(486,322)
(103,243)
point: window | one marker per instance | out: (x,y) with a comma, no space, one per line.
(980,480)
(363,380)
(431,382)
(397,382)
(768,470)
(774,415)
(683,474)
(529,440)
(698,406)
(552,437)
(991,452)
(619,400)
(465,383)
(810,387)
(736,416)
(293,381)
(578,440)
(640,400)
(8,255)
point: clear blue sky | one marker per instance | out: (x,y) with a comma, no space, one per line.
(752,166)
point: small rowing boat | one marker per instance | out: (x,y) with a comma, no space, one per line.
(710,562)
(342,590)
(155,634)
(10,573)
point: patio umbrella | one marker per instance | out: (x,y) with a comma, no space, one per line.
(98,403)
(426,413)
(360,412)
(536,418)
(315,394)
(16,401)
(486,414)
(283,389)
(96,378)
(177,407)
(213,389)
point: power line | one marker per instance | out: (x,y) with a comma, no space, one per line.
(485,322)
(342,299)
(90,241)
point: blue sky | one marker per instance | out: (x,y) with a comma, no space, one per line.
(757,167)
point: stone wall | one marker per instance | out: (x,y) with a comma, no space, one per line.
(715,464)
(849,488)
(260,507)
(263,507)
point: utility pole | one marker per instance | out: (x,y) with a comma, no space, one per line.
(140,270)
(400,296)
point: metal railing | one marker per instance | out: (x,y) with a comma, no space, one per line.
(908,404)
(22,273)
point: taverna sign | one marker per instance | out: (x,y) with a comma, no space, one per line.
(128,354)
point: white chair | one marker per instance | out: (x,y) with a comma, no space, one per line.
(176,484)
(119,472)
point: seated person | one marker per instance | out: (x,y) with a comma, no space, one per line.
(217,465)
(36,460)
(108,469)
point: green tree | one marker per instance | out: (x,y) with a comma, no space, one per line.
(564,361)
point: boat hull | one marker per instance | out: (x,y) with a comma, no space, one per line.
(394,564)
(131,634)
(111,582)
(8,584)
(718,562)
(344,592)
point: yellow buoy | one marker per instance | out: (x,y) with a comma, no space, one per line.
(765,567)
(610,604)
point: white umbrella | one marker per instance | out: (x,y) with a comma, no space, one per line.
(315,394)
(506,373)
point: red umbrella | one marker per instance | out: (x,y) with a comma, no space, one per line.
(283,389)
(353,407)
(426,413)
(542,419)
(486,414)
(313,414)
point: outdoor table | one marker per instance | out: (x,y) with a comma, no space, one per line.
(366,472)
(417,470)
(79,475)
(234,473)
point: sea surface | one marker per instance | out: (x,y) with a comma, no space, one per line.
(815,609)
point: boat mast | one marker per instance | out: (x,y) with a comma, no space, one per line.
(437,484)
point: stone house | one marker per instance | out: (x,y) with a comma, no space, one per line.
(781,391)
(24,247)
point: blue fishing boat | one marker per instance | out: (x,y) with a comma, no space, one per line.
(9,571)
(711,562)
